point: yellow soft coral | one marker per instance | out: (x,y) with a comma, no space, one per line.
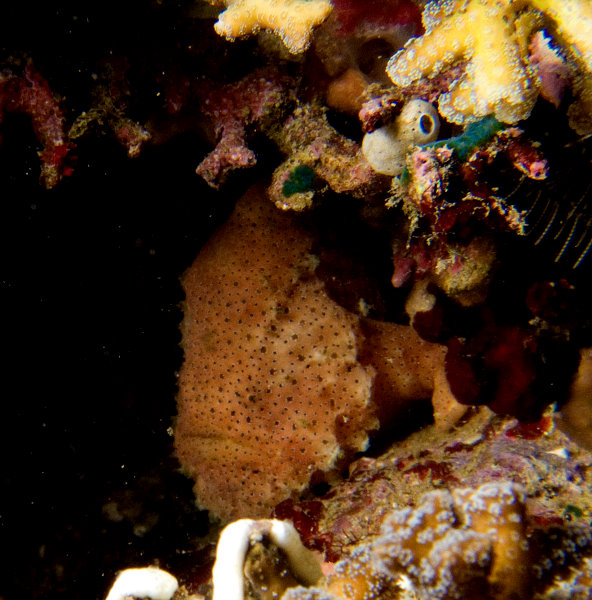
(291,20)
(492,37)
(468,543)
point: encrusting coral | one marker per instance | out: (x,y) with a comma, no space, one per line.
(291,20)
(499,76)
(467,543)
(280,383)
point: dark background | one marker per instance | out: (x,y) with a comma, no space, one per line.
(90,308)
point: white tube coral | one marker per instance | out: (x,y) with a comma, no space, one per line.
(464,543)
(234,543)
(147,582)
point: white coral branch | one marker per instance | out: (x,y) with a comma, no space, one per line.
(234,543)
(147,582)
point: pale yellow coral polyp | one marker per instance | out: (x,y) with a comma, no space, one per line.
(492,36)
(574,24)
(483,32)
(291,20)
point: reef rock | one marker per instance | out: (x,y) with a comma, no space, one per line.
(467,544)
(280,383)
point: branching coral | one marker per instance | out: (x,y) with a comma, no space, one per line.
(291,20)
(499,77)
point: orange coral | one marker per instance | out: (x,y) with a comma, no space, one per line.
(277,384)
(346,92)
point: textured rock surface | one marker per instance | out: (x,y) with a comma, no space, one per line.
(466,544)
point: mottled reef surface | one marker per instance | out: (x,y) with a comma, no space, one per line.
(299,259)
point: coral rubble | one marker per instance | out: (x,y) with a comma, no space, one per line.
(108,111)
(291,20)
(29,93)
(499,77)
(234,107)
(327,157)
